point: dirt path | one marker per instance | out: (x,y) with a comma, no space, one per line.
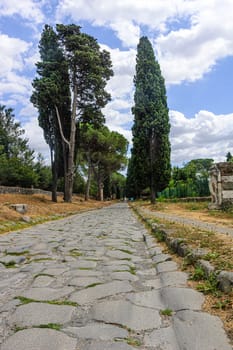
(191,220)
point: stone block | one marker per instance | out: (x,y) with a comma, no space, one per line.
(20,208)
(225,279)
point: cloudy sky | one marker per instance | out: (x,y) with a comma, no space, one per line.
(192,40)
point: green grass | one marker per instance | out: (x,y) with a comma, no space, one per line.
(75,252)
(17,253)
(42,259)
(10,264)
(209,286)
(25,301)
(55,326)
(133,341)
(222,304)
(166,312)
(198,274)
(132,270)
(93,285)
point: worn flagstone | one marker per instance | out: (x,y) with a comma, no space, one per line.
(163,338)
(35,314)
(198,330)
(99,331)
(101,291)
(39,339)
(126,314)
(47,293)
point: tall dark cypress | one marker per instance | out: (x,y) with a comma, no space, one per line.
(150,161)
(52,80)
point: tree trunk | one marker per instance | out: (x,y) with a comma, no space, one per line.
(87,193)
(54,178)
(152,177)
(153,195)
(101,192)
(54,184)
(69,176)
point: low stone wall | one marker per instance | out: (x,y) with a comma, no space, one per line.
(194,255)
(189,199)
(21,190)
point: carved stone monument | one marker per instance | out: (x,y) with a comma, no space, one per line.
(221,185)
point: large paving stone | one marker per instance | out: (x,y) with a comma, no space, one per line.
(153,284)
(161,258)
(47,293)
(176,278)
(12,259)
(124,276)
(41,313)
(117,254)
(163,338)
(150,299)
(112,268)
(86,264)
(166,266)
(83,281)
(88,295)
(181,298)
(108,346)
(98,331)
(42,281)
(147,272)
(83,273)
(198,330)
(39,339)
(126,314)
(55,271)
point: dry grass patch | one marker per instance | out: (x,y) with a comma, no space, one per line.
(40,209)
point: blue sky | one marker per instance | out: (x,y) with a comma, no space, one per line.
(193,43)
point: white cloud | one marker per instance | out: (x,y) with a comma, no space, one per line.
(206,135)
(12,51)
(27,9)
(200,37)
(35,135)
(17,57)
(120,85)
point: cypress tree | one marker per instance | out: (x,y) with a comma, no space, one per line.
(150,161)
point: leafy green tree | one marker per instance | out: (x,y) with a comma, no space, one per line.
(112,157)
(16,158)
(191,180)
(150,162)
(89,69)
(43,172)
(229,157)
(117,185)
(104,152)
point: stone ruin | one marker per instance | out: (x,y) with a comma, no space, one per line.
(221,185)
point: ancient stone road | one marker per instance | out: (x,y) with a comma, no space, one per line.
(88,282)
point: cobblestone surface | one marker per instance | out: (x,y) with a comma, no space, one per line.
(88,282)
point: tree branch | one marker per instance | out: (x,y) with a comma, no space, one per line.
(60,127)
